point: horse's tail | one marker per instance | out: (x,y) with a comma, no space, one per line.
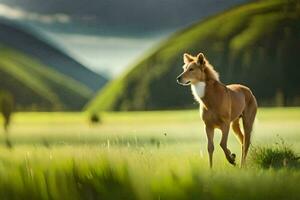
(248,117)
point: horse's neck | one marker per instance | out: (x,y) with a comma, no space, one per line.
(206,92)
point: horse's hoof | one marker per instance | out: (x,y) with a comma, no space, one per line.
(232,159)
(232,162)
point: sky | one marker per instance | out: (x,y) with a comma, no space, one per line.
(108,36)
(110,55)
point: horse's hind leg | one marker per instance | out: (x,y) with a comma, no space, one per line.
(237,130)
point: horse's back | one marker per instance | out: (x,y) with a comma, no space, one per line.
(240,91)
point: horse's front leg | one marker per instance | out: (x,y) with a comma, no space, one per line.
(210,143)
(229,156)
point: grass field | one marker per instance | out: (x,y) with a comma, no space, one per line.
(139,155)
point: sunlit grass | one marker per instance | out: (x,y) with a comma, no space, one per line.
(139,155)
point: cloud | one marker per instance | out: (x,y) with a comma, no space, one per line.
(20,14)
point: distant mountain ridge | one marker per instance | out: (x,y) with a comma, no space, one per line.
(40,76)
(16,37)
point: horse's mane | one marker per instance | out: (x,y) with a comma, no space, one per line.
(211,73)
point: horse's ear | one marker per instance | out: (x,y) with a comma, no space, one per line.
(201,59)
(187,58)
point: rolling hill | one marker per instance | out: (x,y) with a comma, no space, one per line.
(18,37)
(38,87)
(41,77)
(256,44)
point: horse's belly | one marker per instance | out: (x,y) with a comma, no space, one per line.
(210,118)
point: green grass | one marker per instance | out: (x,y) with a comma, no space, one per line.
(277,156)
(139,155)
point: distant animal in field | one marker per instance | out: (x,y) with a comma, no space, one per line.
(6,108)
(220,105)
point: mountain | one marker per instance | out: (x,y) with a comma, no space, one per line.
(18,38)
(41,77)
(38,87)
(255,44)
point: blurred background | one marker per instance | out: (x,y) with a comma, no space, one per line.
(60,55)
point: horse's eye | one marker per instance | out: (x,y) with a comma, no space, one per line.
(191,69)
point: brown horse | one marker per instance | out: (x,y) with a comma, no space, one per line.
(220,105)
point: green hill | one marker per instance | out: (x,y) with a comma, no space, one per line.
(256,44)
(36,86)
(39,75)
(38,46)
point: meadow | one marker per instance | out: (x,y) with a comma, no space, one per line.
(140,155)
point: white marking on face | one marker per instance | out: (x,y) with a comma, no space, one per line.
(198,90)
